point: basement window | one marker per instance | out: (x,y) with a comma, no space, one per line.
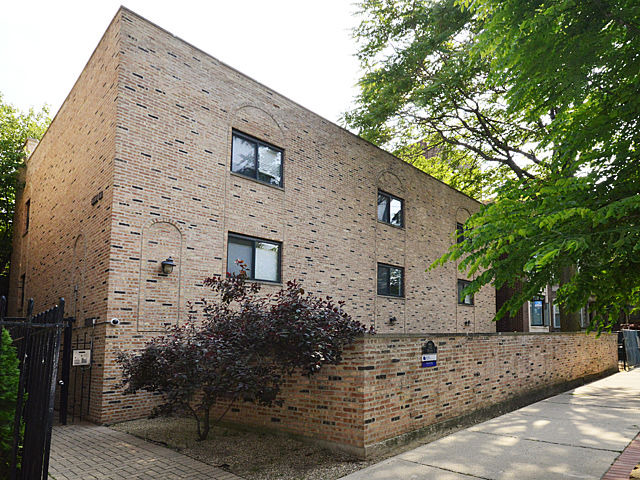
(390,209)
(256,159)
(390,280)
(261,257)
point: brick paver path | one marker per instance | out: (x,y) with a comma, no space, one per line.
(90,452)
(625,463)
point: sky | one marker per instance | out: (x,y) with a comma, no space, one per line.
(301,49)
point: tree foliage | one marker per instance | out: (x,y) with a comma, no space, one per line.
(9,377)
(422,81)
(244,350)
(552,87)
(15,128)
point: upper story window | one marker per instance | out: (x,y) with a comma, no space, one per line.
(462,298)
(460,233)
(27,215)
(390,209)
(390,280)
(256,159)
(261,257)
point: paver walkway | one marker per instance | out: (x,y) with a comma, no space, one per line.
(90,452)
(575,435)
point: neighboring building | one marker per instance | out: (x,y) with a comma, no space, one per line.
(540,314)
(160,151)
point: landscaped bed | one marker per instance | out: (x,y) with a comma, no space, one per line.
(249,453)
(258,454)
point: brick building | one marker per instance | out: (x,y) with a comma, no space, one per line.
(161,151)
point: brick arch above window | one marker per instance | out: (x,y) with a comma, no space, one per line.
(258,122)
(390,182)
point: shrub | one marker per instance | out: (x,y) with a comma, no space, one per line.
(9,377)
(245,348)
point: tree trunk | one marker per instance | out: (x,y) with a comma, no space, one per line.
(202,434)
(569,321)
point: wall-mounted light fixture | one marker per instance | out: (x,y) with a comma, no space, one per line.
(167,266)
(393,320)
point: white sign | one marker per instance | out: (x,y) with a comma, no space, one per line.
(429,360)
(81,357)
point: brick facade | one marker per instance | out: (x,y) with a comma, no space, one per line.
(381,392)
(136,168)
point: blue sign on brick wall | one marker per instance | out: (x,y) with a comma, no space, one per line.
(429,355)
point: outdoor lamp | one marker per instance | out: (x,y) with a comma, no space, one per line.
(167,266)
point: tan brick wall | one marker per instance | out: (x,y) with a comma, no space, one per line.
(149,124)
(380,390)
(66,250)
(174,195)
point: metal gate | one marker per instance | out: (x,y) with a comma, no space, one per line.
(74,397)
(37,342)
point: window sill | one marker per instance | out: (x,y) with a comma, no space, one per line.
(394,297)
(465,305)
(265,282)
(255,180)
(399,227)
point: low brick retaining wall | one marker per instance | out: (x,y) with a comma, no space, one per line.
(380,392)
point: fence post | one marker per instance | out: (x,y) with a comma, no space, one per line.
(58,319)
(66,369)
(20,400)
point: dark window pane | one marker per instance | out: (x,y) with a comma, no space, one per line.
(464,299)
(383,208)
(459,232)
(395,212)
(383,280)
(395,282)
(267,259)
(244,157)
(239,249)
(269,165)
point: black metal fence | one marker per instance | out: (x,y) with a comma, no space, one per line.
(37,342)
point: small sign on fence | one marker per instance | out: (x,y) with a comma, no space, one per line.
(81,357)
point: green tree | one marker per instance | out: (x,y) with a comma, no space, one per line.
(549,90)
(422,81)
(9,377)
(15,128)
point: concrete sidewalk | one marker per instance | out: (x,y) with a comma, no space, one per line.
(575,435)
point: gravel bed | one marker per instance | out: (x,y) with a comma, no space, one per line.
(249,453)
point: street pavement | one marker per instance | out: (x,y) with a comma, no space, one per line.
(574,435)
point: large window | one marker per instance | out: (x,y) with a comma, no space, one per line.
(390,209)
(261,257)
(256,159)
(462,298)
(536,312)
(390,280)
